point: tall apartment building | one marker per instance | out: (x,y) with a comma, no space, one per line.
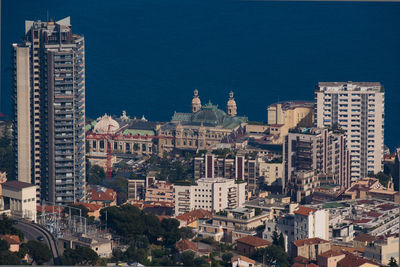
(238,168)
(49,110)
(314,149)
(212,194)
(358,108)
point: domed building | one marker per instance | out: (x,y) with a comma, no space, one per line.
(106,124)
(202,129)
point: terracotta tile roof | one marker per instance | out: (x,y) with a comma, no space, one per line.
(49,209)
(17,184)
(298,264)
(91,207)
(309,241)
(331,253)
(11,239)
(194,215)
(362,221)
(386,207)
(243,258)
(183,245)
(364,238)
(373,214)
(300,259)
(347,249)
(254,241)
(354,261)
(305,211)
(99,193)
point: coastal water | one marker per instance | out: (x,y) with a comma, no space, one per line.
(147,57)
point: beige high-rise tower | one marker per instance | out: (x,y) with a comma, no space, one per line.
(49,111)
(359,109)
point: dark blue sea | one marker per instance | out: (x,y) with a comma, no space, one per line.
(147,56)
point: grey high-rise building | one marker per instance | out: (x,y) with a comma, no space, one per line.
(49,110)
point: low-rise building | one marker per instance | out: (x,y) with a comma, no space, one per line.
(102,245)
(351,260)
(160,191)
(20,199)
(330,258)
(383,248)
(212,194)
(232,224)
(242,261)
(191,218)
(310,248)
(106,197)
(13,241)
(362,240)
(249,244)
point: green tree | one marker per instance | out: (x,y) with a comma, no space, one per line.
(272,255)
(6,152)
(226,258)
(4,246)
(200,261)
(75,212)
(186,232)
(275,238)
(39,252)
(80,255)
(120,185)
(7,227)
(94,174)
(393,262)
(9,258)
(187,258)
(281,241)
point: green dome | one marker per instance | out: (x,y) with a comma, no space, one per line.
(209,114)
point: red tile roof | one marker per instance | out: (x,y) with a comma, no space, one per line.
(49,209)
(243,258)
(309,241)
(331,253)
(362,221)
(305,211)
(354,261)
(253,241)
(194,215)
(183,245)
(17,184)
(373,214)
(99,193)
(300,259)
(91,207)
(11,239)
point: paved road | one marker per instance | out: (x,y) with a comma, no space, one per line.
(32,232)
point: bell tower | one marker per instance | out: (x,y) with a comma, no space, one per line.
(231,108)
(196,103)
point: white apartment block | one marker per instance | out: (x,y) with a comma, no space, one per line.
(310,223)
(358,108)
(212,194)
